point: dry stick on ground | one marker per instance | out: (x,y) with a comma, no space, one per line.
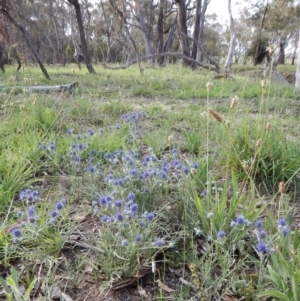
(156,55)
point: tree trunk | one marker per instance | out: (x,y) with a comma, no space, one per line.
(146,33)
(84,45)
(201,28)
(169,39)
(181,19)
(232,44)
(26,37)
(297,83)
(196,28)
(281,55)
(262,23)
(160,32)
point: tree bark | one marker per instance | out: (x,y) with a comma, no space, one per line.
(297,83)
(146,33)
(201,28)
(181,19)
(262,23)
(227,66)
(160,31)
(196,28)
(26,37)
(281,55)
(84,45)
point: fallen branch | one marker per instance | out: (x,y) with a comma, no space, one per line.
(43,89)
(156,55)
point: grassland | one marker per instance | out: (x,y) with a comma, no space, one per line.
(173,185)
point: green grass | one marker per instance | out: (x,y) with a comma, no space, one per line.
(176,188)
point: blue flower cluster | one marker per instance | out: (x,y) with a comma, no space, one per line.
(30,197)
(133,118)
(262,246)
(115,211)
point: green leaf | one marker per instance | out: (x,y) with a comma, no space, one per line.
(14,276)
(30,288)
(11,282)
(275,294)
(4,284)
(295,287)
(296,240)
(276,279)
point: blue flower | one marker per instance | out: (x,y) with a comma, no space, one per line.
(138,238)
(283,230)
(159,242)
(150,216)
(107,155)
(221,234)
(134,207)
(131,196)
(80,146)
(163,175)
(31,214)
(92,169)
(105,219)
(281,222)
(185,170)
(60,204)
(16,232)
(102,201)
(175,162)
(240,220)
(258,223)
(54,214)
(262,234)
(118,203)
(154,158)
(203,193)
(119,217)
(147,159)
(261,247)
(195,165)
(19,214)
(174,151)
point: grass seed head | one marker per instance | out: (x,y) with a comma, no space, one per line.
(209,86)
(171,139)
(263,83)
(281,187)
(215,114)
(233,102)
(258,142)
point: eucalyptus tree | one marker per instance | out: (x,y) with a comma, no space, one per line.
(13,12)
(84,45)
(282,25)
(232,44)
